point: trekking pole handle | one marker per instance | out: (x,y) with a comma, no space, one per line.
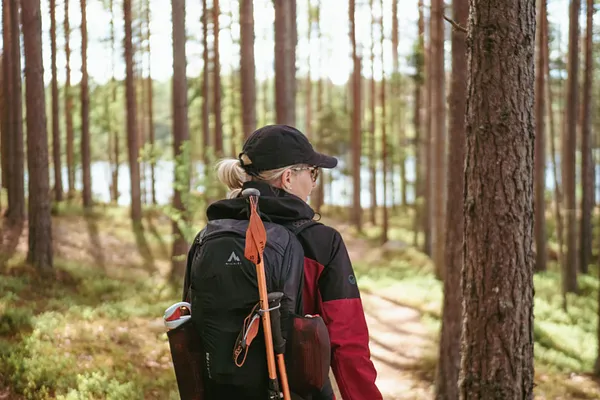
(250,192)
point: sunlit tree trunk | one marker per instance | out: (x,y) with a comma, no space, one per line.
(85,113)
(69,108)
(356,124)
(384,149)
(56,154)
(132,135)
(180,130)
(247,70)
(39,252)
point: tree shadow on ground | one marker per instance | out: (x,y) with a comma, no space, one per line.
(161,242)
(9,239)
(96,249)
(143,247)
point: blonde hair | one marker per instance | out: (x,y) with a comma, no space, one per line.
(232,175)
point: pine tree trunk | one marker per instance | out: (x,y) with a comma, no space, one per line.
(557,193)
(321,191)
(132,136)
(217,82)
(85,114)
(540,148)
(569,148)
(6,94)
(427,151)
(284,83)
(247,66)
(372,120)
(396,90)
(39,252)
(58,186)
(308,96)
(438,134)
(180,131)
(16,156)
(497,277)
(418,124)
(449,351)
(587,161)
(356,124)
(384,147)
(150,105)
(114,131)
(69,108)
(206,142)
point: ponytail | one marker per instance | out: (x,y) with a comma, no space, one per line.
(232,175)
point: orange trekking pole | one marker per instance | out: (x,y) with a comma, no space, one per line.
(256,238)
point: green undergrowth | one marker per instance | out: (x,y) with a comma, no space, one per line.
(91,331)
(84,335)
(565,341)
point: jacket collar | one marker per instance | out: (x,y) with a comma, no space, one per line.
(275,204)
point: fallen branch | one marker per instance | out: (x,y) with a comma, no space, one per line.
(455,24)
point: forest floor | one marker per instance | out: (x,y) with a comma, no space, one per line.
(96,330)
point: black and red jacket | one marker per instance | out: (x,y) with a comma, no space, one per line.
(330,289)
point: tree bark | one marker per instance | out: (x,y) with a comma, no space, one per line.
(399,127)
(285,100)
(16,154)
(587,160)
(427,146)
(6,94)
(132,136)
(180,131)
(217,81)
(248,69)
(449,352)
(150,105)
(497,277)
(384,147)
(206,142)
(569,148)
(114,132)
(418,119)
(39,252)
(372,120)
(56,155)
(85,114)
(438,134)
(540,147)
(356,123)
(69,109)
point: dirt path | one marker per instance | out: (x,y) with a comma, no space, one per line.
(398,338)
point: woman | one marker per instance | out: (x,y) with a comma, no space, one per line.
(280,162)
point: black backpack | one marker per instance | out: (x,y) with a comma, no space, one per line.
(221,285)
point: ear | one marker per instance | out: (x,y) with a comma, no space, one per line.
(286,178)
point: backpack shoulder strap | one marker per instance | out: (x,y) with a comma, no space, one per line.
(298,226)
(190,256)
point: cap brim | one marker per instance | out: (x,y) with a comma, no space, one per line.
(323,161)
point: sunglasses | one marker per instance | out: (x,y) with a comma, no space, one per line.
(314,172)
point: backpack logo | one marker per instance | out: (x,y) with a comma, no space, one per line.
(233,259)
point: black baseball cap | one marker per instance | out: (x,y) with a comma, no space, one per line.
(278,146)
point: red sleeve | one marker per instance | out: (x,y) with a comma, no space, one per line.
(344,315)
